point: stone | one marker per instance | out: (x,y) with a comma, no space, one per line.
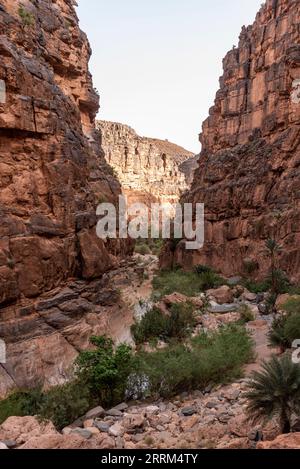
(221,295)
(95,413)
(248,296)
(133,422)
(102,426)
(10,443)
(188,411)
(116,430)
(73,441)
(221,309)
(114,413)
(3,445)
(83,432)
(288,441)
(20,429)
(88,423)
(152,409)
(122,407)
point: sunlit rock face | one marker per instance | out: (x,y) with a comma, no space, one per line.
(249,168)
(52,174)
(149,170)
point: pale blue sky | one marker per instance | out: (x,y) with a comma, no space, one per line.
(156,63)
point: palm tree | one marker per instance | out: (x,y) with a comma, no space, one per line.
(275,392)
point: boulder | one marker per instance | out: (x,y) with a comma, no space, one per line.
(288,441)
(21,429)
(73,441)
(222,295)
(95,413)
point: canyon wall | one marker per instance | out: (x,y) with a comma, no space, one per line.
(52,174)
(249,168)
(148,169)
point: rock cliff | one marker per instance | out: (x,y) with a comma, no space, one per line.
(149,170)
(249,168)
(52,174)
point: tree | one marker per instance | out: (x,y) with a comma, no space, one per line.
(105,369)
(275,391)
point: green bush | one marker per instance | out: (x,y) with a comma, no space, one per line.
(157,325)
(21,403)
(142,249)
(292,328)
(64,404)
(292,306)
(104,370)
(286,328)
(246,313)
(202,269)
(256,287)
(209,359)
(26,17)
(187,283)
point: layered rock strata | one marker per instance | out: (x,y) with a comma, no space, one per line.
(149,170)
(249,168)
(52,174)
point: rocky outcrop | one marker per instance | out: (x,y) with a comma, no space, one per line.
(149,170)
(52,174)
(249,168)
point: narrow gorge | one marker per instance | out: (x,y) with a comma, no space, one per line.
(118,343)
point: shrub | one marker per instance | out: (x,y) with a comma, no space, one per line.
(142,249)
(291,328)
(105,370)
(286,328)
(209,358)
(187,283)
(275,391)
(64,404)
(201,269)
(157,325)
(292,306)
(276,335)
(256,287)
(246,313)
(26,17)
(21,403)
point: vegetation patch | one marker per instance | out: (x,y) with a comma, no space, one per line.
(187,283)
(156,325)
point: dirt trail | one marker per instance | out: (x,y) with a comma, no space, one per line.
(263,352)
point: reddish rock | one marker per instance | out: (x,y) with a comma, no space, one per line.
(52,175)
(248,175)
(289,441)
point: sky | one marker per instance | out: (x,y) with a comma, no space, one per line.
(157,63)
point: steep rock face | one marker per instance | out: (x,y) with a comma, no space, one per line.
(52,173)
(149,170)
(249,168)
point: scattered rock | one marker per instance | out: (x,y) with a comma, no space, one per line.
(221,295)
(116,430)
(188,411)
(84,433)
(3,445)
(114,413)
(95,413)
(288,441)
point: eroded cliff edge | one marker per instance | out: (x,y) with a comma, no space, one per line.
(249,168)
(149,170)
(52,175)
